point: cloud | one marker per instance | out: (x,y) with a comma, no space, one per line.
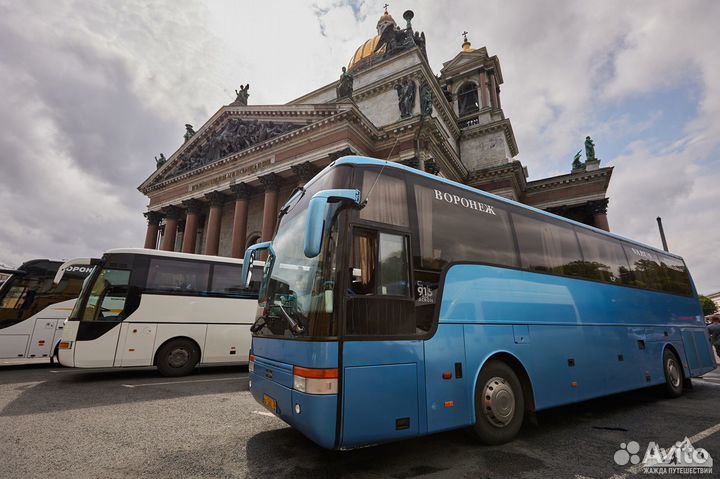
(92,91)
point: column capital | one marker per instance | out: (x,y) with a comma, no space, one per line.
(271,181)
(598,207)
(172,212)
(304,171)
(153,217)
(193,206)
(340,153)
(242,191)
(215,198)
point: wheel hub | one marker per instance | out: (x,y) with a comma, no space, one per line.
(178,358)
(498,402)
(673,372)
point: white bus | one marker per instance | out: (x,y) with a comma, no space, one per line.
(144,307)
(33,307)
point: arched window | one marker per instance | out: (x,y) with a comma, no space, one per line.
(467,97)
(254,238)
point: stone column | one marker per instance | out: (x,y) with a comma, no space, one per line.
(151,237)
(304,172)
(493,90)
(598,208)
(213,229)
(242,196)
(194,207)
(484,89)
(172,215)
(271,183)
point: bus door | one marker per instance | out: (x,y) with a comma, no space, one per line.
(99,328)
(41,342)
(382,362)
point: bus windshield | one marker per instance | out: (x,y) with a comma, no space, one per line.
(103,296)
(296,295)
(19,296)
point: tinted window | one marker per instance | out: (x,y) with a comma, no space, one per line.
(387,202)
(676,278)
(645,271)
(546,246)
(604,259)
(171,275)
(108,296)
(226,278)
(379,264)
(457,225)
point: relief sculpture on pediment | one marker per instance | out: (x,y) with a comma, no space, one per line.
(232,137)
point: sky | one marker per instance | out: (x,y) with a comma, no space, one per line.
(92,91)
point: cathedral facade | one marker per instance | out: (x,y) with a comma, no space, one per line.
(220,192)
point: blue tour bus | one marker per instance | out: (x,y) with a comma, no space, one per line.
(395,304)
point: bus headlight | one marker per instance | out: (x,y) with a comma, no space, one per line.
(315,381)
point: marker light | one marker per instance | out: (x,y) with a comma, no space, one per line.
(251,364)
(65,345)
(315,381)
(297,409)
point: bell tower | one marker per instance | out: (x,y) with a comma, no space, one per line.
(471,82)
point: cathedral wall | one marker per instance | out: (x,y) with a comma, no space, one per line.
(383,109)
(484,151)
(384,71)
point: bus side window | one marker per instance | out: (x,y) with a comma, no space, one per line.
(546,246)
(380,301)
(645,270)
(379,264)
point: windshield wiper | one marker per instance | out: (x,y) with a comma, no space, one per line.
(257,325)
(300,192)
(295,327)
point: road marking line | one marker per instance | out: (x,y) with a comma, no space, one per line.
(264,413)
(697,437)
(181,382)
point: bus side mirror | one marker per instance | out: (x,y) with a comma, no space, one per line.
(249,259)
(316,216)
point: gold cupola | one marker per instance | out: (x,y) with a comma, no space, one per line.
(369,49)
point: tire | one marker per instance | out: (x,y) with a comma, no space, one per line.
(55,358)
(177,357)
(499,404)
(672,369)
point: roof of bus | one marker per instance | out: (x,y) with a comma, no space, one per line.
(173,254)
(364,160)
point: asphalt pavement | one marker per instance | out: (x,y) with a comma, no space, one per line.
(135,423)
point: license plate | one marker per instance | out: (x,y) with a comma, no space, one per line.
(269,403)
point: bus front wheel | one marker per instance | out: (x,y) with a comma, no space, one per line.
(499,404)
(673,374)
(177,357)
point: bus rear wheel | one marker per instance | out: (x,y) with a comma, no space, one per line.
(499,404)
(673,374)
(177,358)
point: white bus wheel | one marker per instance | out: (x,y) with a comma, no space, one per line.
(177,357)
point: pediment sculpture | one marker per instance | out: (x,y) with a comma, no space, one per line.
(234,136)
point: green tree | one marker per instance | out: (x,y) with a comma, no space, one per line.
(708,306)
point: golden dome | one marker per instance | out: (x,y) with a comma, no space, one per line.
(367,49)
